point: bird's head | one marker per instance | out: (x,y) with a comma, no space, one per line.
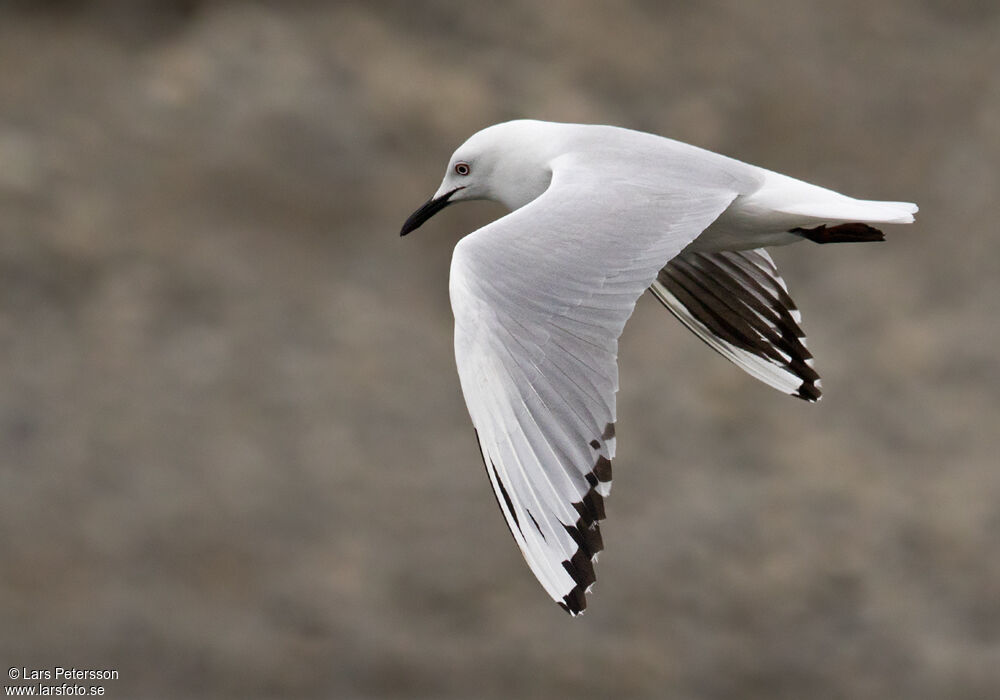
(506,163)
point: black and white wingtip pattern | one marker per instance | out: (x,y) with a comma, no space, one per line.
(738,304)
(585,531)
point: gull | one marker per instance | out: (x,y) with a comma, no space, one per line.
(599,214)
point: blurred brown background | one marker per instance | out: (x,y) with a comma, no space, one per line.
(235,459)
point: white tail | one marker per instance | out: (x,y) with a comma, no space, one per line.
(785,195)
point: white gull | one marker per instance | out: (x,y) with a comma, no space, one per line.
(598,215)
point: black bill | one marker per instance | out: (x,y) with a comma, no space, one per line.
(431,207)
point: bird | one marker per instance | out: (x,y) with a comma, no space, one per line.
(598,215)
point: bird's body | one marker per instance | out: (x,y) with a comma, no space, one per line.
(598,215)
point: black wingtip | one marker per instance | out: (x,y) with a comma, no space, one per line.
(842,233)
(574,602)
(586,533)
(809,392)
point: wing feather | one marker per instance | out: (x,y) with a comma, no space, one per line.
(540,298)
(737,302)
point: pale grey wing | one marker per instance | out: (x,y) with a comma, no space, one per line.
(738,304)
(540,298)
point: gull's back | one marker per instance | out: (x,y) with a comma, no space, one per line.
(766,207)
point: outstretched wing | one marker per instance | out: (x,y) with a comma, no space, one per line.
(738,304)
(540,298)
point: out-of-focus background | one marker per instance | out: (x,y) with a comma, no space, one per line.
(235,459)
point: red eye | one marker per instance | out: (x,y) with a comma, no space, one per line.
(462,168)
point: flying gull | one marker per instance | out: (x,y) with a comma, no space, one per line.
(598,214)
